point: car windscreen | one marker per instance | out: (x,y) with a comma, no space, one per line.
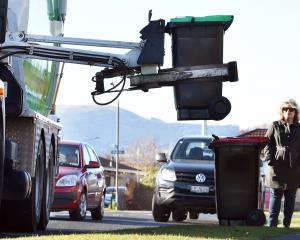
(68,155)
(193,149)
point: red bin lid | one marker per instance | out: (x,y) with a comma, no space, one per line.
(238,141)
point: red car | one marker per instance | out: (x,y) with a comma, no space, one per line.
(80,184)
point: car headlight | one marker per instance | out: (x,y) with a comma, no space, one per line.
(168,174)
(67,181)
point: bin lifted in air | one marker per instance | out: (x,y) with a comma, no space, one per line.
(197,69)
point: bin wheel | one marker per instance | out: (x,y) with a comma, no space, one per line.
(256,218)
(219,108)
(179,215)
(224,222)
(193,215)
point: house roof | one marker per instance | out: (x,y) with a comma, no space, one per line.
(258,132)
(110,165)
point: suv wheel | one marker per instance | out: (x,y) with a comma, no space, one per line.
(179,215)
(159,213)
(193,215)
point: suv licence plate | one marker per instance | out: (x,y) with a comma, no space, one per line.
(199,189)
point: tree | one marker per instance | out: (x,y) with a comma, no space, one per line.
(149,178)
(142,154)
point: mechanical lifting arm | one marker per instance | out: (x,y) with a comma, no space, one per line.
(141,64)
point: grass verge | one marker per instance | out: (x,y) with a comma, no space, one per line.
(182,232)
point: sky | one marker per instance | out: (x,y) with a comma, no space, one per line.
(264,39)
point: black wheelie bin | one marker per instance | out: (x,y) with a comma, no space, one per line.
(237,162)
(199,41)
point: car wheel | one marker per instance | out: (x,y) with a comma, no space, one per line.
(159,213)
(179,215)
(98,213)
(193,215)
(80,212)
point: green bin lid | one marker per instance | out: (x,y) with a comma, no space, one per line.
(226,20)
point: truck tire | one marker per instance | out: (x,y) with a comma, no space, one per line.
(159,213)
(47,190)
(33,205)
(98,213)
(25,215)
(80,212)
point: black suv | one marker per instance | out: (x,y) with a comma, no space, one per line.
(185,182)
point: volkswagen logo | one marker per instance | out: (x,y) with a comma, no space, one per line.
(200,178)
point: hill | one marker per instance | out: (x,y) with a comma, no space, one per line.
(97,125)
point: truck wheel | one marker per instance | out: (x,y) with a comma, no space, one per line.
(33,205)
(159,213)
(179,215)
(25,215)
(98,213)
(80,212)
(47,190)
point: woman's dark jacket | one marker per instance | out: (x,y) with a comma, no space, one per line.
(282,154)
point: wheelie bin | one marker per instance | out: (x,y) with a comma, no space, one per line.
(237,162)
(199,41)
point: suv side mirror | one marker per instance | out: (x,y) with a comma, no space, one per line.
(161,157)
(93,164)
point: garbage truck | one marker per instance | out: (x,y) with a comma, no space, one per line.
(31,67)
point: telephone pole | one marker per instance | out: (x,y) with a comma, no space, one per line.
(117,154)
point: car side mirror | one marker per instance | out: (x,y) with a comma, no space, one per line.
(93,164)
(161,157)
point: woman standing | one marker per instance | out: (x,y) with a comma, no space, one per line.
(282,154)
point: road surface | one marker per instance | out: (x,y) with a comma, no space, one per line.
(113,220)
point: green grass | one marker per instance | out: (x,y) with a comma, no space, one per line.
(183,232)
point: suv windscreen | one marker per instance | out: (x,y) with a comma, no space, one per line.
(193,149)
(68,155)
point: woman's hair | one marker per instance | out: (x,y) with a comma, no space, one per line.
(294,104)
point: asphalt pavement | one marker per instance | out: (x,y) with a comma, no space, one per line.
(114,220)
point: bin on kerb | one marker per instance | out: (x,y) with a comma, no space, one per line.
(237,180)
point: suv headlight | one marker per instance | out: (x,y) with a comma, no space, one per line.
(168,174)
(67,181)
